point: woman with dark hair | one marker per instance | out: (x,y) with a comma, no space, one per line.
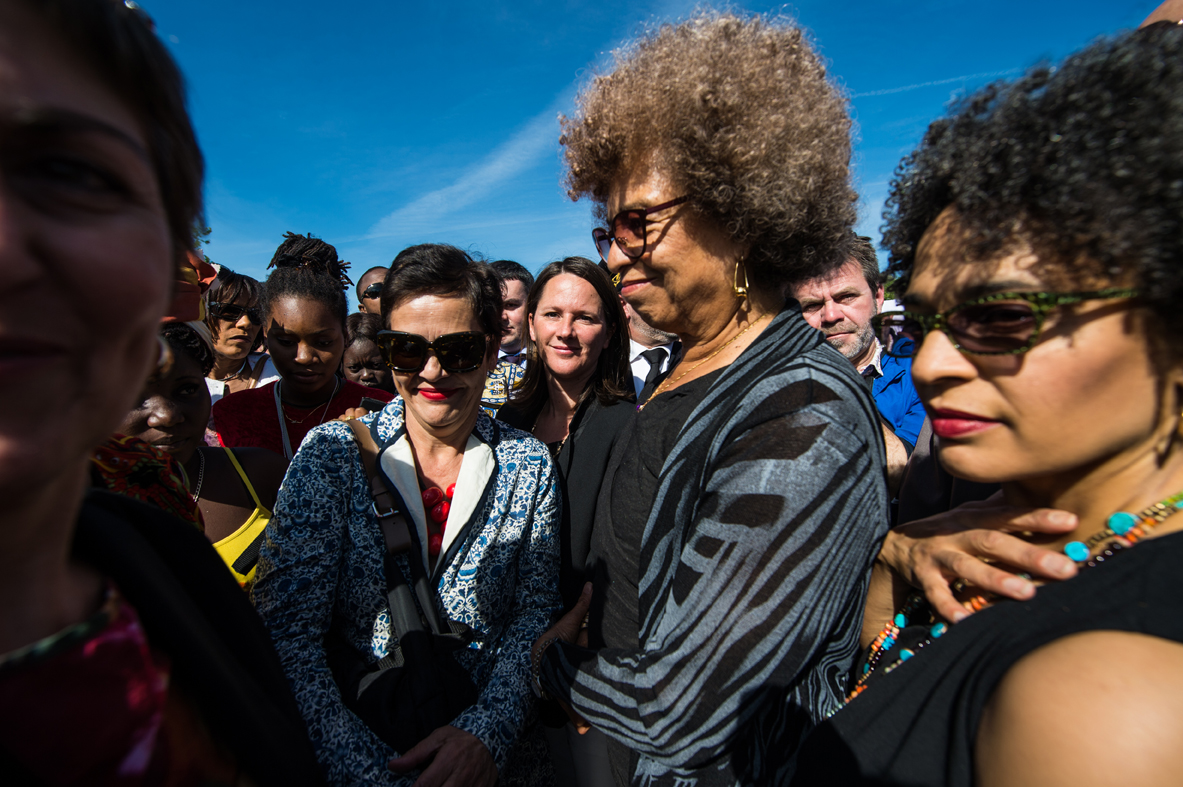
(235,489)
(480,501)
(303,308)
(1036,234)
(234,321)
(740,523)
(576,397)
(362,362)
(127,653)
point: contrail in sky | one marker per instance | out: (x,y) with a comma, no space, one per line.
(890,90)
(520,152)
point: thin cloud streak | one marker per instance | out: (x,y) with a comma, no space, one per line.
(889,91)
(538,138)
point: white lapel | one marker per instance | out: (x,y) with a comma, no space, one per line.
(398,462)
(475,472)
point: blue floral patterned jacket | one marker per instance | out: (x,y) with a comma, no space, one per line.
(320,569)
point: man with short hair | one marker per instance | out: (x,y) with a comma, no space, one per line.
(652,353)
(516,282)
(369,290)
(841,306)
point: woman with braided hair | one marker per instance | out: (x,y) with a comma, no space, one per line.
(304,310)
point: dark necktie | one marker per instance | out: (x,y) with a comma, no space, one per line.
(515,358)
(654,357)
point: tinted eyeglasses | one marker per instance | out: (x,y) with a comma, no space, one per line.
(628,230)
(456,352)
(1007,323)
(373,291)
(232,312)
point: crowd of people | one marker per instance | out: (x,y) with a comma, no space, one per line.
(697,512)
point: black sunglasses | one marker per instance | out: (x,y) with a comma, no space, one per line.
(628,229)
(457,352)
(373,291)
(232,312)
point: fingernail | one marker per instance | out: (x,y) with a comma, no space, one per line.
(1061,518)
(960,615)
(1017,586)
(1061,566)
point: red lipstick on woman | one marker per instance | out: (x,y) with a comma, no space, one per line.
(954,423)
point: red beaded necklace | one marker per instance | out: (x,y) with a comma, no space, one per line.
(438,504)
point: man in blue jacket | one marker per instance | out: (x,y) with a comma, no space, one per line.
(841,306)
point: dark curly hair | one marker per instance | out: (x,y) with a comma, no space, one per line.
(184,339)
(613,379)
(446,271)
(1083,162)
(739,114)
(306,267)
(362,327)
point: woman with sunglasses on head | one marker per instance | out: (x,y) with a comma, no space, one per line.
(481,502)
(234,321)
(1036,233)
(304,310)
(235,489)
(742,517)
(127,653)
(576,397)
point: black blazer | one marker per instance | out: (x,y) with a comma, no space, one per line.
(582,461)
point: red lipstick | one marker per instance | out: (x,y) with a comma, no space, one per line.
(954,423)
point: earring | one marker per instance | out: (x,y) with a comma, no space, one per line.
(740,292)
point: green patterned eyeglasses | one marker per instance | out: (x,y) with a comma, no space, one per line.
(1007,323)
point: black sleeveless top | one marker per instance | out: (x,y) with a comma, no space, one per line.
(917,724)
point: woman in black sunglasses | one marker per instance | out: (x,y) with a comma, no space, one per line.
(481,501)
(741,514)
(1036,234)
(234,320)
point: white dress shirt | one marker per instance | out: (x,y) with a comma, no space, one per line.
(640,366)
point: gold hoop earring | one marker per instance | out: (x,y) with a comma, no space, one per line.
(740,292)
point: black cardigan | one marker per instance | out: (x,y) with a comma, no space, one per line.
(593,432)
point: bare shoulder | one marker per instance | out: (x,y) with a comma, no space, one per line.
(265,469)
(1097,708)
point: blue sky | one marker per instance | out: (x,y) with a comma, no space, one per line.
(376,125)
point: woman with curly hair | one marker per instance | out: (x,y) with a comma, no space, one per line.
(734,537)
(1036,233)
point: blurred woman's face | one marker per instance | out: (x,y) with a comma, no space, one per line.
(235,338)
(569,328)
(363,365)
(86,260)
(306,342)
(439,401)
(1086,394)
(173,410)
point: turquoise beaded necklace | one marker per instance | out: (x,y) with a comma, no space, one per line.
(1129,527)
(1122,529)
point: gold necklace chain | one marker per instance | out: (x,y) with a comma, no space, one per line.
(669,381)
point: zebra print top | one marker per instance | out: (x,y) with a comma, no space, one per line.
(753,568)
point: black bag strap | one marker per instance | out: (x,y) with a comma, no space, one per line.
(388,505)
